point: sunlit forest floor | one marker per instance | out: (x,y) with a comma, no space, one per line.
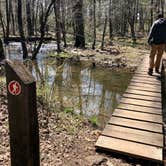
(67,139)
(122,54)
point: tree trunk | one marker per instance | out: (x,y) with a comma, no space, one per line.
(21,30)
(42,29)
(104,31)
(7,22)
(151,13)
(63,24)
(3,26)
(131,23)
(110,22)
(131,18)
(99,13)
(94,24)
(29,20)
(162,6)
(12,16)
(2,55)
(79,24)
(57,20)
(141,21)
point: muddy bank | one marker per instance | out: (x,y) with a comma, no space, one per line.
(112,57)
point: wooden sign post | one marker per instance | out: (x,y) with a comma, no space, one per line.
(23,121)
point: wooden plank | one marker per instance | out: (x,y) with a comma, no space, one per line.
(145,137)
(153,77)
(151,104)
(130,148)
(152,80)
(147,86)
(143,109)
(144,81)
(138,116)
(144,89)
(137,96)
(143,71)
(147,126)
(143,93)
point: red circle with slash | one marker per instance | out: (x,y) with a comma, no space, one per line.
(14,88)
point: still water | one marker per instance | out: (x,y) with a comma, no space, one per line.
(85,90)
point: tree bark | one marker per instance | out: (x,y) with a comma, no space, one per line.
(57,20)
(3,26)
(12,16)
(104,31)
(7,22)
(151,13)
(42,29)
(110,22)
(21,30)
(131,18)
(94,24)
(29,20)
(63,26)
(79,24)
(162,6)
(2,54)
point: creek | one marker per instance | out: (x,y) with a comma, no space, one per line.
(76,87)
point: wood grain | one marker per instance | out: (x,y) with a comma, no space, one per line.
(139,102)
(141,97)
(138,116)
(130,148)
(135,135)
(142,92)
(147,126)
(136,108)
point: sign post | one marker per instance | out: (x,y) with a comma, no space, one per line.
(23,121)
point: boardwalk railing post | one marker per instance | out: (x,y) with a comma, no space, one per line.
(23,122)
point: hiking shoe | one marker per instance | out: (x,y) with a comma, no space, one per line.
(150,72)
(157,70)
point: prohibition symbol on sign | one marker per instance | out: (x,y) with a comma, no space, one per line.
(14,88)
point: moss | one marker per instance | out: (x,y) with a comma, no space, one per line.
(61,55)
(69,110)
(94,121)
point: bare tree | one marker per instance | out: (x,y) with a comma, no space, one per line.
(44,20)
(110,21)
(131,4)
(7,22)
(2,55)
(21,29)
(94,24)
(57,20)
(63,22)
(29,18)
(79,24)
(104,31)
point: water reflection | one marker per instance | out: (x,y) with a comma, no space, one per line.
(88,91)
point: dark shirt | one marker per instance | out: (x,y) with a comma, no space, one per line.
(157,34)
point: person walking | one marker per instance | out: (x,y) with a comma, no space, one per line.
(157,41)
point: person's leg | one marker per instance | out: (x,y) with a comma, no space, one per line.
(160,51)
(151,58)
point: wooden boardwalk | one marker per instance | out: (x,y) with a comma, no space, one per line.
(136,126)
